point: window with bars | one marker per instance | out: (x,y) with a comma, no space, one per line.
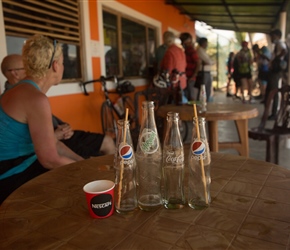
(58,19)
(129,45)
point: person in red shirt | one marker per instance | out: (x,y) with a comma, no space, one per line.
(174,59)
(192,64)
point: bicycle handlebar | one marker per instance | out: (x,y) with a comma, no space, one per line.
(102,79)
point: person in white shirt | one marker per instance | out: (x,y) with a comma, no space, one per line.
(205,67)
(280,50)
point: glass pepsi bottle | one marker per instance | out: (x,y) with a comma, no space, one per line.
(125,170)
(199,167)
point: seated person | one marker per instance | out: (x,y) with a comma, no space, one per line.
(83,143)
(28,144)
(86,144)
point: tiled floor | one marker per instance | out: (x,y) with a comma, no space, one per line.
(227,130)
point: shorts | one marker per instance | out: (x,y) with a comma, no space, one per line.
(245,75)
(263,75)
(11,183)
(85,144)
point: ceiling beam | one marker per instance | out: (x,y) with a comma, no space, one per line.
(222,15)
(207,3)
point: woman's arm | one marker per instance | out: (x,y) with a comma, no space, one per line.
(63,150)
(38,116)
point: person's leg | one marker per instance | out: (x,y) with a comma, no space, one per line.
(9,184)
(272,84)
(208,85)
(87,144)
(244,83)
(263,88)
(250,84)
(108,145)
(275,85)
(190,89)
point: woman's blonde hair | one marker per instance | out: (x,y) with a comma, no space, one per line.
(37,53)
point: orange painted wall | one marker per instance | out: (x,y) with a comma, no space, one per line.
(83,112)
(166,14)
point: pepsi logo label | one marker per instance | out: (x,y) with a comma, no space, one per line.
(125,151)
(198,147)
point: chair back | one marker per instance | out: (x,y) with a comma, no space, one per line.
(282,123)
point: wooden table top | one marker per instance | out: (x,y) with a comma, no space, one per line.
(215,111)
(250,210)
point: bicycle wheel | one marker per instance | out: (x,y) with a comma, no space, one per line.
(108,121)
(128,104)
(134,128)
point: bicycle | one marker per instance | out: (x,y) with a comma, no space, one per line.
(166,80)
(111,112)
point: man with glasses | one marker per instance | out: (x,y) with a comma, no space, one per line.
(12,69)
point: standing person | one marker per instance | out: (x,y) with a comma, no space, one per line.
(205,67)
(85,144)
(244,60)
(236,78)
(174,60)
(275,74)
(230,71)
(28,145)
(262,57)
(192,64)
(160,51)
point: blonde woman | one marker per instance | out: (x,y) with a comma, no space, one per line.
(28,145)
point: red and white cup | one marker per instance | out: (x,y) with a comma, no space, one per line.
(100,198)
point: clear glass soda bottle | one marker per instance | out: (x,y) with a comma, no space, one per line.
(202,98)
(149,160)
(199,167)
(125,170)
(173,164)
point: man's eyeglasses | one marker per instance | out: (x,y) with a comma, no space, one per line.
(54,48)
(15,69)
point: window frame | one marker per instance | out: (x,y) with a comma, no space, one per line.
(69,33)
(147,25)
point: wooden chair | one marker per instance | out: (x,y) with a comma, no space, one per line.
(281,126)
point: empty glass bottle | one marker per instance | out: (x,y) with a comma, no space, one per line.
(125,170)
(149,160)
(199,167)
(173,164)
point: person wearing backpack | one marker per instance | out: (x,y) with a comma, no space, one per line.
(243,70)
(277,65)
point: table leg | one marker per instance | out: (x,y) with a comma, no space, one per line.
(242,126)
(213,137)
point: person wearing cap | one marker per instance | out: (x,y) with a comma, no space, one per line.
(275,74)
(204,69)
(168,37)
(174,60)
(244,70)
(262,57)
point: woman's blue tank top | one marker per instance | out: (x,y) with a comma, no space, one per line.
(15,140)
